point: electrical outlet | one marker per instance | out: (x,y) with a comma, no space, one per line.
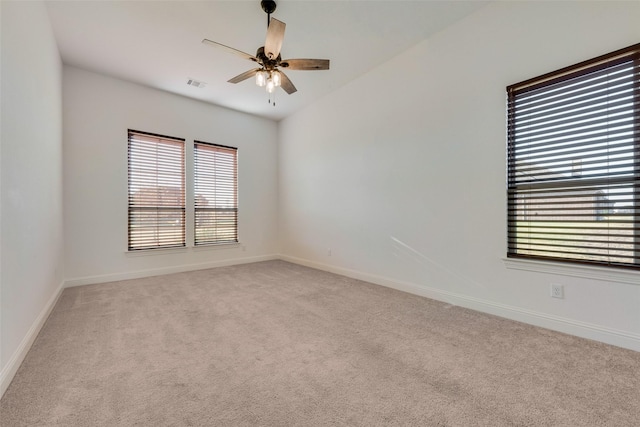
(557,291)
(329,252)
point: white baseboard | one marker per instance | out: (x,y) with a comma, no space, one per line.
(561,324)
(10,369)
(91,280)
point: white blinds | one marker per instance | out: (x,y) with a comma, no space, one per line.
(156,191)
(216,193)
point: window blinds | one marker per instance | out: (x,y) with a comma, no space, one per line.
(574,163)
(156,191)
(216,193)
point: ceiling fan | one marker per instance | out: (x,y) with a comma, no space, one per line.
(268,57)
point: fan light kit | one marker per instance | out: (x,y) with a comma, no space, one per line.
(270,79)
(268,57)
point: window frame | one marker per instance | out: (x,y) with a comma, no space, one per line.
(223,171)
(630,54)
(146,203)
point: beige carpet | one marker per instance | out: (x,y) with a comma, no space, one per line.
(276,344)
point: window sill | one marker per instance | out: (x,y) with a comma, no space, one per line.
(215,246)
(182,250)
(583,271)
(160,251)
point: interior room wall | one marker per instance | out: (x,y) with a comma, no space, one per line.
(31,266)
(98,111)
(399,177)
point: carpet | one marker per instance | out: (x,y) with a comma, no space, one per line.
(278,344)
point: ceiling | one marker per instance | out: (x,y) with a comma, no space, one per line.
(158,43)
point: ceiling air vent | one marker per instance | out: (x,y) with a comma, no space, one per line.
(195,83)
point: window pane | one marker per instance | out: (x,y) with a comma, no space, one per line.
(156,191)
(216,194)
(573,161)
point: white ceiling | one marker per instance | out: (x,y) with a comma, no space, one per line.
(158,43)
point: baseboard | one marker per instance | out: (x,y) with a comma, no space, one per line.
(10,369)
(561,324)
(91,280)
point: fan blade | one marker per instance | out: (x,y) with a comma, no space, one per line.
(305,64)
(286,84)
(230,49)
(275,35)
(244,76)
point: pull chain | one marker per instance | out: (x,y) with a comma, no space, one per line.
(269,98)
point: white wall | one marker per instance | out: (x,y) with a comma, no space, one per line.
(98,110)
(31,179)
(401,173)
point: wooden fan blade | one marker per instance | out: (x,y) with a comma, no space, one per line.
(286,84)
(244,76)
(275,35)
(229,49)
(305,64)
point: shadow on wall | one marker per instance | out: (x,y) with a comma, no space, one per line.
(404,252)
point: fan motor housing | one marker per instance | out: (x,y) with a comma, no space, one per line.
(268,64)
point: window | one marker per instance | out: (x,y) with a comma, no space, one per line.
(216,194)
(156,191)
(574,163)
